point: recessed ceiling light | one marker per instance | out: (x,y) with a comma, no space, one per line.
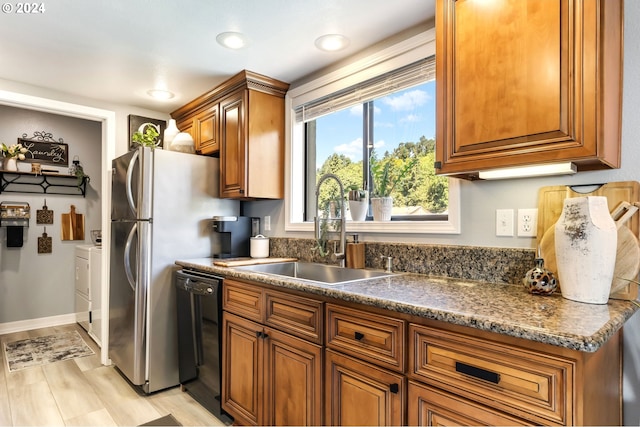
(332,42)
(232,40)
(160,94)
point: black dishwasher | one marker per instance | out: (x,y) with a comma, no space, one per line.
(199,302)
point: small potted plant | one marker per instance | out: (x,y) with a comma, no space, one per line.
(358,203)
(147,139)
(385,178)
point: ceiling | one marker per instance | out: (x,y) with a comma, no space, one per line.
(117,50)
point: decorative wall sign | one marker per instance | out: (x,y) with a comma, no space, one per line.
(44,149)
(138,123)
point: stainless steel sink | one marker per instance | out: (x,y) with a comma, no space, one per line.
(321,273)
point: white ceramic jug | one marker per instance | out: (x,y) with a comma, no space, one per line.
(586,240)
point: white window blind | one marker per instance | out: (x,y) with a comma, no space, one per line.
(393,81)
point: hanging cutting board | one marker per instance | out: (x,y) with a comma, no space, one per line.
(550,203)
(44,215)
(45,243)
(238,262)
(72,225)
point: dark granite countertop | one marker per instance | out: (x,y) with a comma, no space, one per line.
(500,308)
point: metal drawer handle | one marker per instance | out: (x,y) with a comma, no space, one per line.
(394,388)
(358,336)
(476,372)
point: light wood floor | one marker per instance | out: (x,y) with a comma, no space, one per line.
(82,392)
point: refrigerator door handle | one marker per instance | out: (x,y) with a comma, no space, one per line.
(128,186)
(127,257)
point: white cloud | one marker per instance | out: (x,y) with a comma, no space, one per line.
(350,149)
(407,101)
(378,144)
(411,118)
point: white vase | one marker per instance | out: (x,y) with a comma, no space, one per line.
(381,208)
(10,164)
(358,209)
(169,133)
(586,240)
(183,142)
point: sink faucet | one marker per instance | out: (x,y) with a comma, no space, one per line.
(343,223)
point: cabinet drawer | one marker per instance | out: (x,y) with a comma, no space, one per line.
(531,385)
(299,316)
(243,299)
(371,337)
(429,406)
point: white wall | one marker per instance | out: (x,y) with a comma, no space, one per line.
(36,285)
(38,289)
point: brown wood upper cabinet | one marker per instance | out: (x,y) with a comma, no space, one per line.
(527,82)
(242,121)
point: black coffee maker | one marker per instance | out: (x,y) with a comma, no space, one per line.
(235,236)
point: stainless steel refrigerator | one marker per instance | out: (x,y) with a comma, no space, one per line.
(161,209)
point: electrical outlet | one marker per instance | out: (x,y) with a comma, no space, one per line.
(527,222)
(267,223)
(504,222)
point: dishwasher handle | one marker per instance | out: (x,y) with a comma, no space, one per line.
(205,286)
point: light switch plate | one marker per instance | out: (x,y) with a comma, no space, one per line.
(504,222)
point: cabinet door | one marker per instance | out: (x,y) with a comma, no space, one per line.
(429,406)
(358,393)
(524,82)
(293,380)
(207,131)
(96,294)
(232,146)
(82,276)
(242,355)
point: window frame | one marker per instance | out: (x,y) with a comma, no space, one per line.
(384,60)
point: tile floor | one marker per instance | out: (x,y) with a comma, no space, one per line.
(83,392)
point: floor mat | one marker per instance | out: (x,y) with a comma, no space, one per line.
(42,350)
(167,420)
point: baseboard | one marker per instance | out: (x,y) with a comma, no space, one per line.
(43,322)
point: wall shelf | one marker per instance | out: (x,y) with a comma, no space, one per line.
(27,182)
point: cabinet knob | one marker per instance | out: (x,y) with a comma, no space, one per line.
(358,336)
(394,388)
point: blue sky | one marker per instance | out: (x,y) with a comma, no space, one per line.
(402,117)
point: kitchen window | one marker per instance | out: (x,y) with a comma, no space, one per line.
(384,111)
(392,128)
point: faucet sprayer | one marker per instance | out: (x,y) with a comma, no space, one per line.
(343,223)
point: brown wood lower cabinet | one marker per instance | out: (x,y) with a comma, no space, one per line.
(293,380)
(276,379)
(359,393)
(242,366)
(293,359)
(270,377)
(429,406)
